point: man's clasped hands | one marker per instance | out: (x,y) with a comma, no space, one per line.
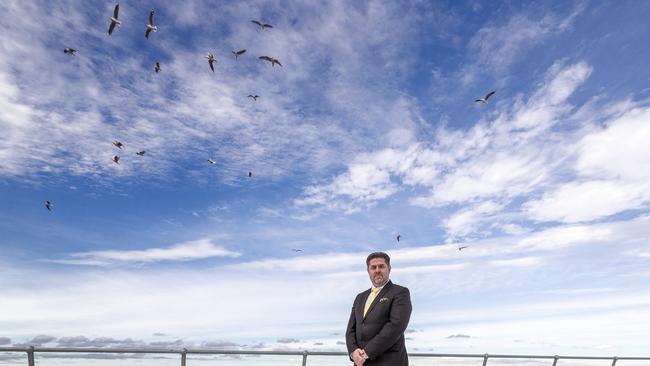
(359,356)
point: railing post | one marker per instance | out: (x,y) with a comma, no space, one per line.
(614,360)
(555,360)
(183,356)
(30,356)
(304,358)
(485,357)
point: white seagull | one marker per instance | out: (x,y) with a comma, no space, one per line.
(270,59)
(211,161)
(116,159)
(261,25)
(211,60)
(118,144)
(49,205)
(150,26)
(253,97)
(157,67)
(487,96)
(69,51)
(238,53)
(114,20)
(140,153)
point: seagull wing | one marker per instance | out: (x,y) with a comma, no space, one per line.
(146,33)
(111,27)
(277,62)
(241,52)
(267,26)
(211,64)
(266,58)
(488,95)
(116,11)
(151,17)
(257,23)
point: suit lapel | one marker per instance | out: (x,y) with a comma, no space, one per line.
(362,303)
(376,300)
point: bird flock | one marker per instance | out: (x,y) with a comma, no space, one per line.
(150,27)
(211,59)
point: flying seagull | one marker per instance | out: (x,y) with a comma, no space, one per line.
(211,61)
(253,97)
(238,53)
(140,153)
(150,26)
(250,174)
(461,248)
(211,161)
(272,60)
(116,159)
(261,25)
(114,20)
(297,250)
(49,205)
(118,144)
(398,237)
(69,51)
(487,96)
(157,67)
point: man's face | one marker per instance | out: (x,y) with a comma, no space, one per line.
(378,271)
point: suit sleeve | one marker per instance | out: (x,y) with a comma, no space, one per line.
(400,313)
(351,333)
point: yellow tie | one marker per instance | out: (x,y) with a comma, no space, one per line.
(371,298)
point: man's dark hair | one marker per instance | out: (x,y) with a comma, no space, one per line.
(378,255)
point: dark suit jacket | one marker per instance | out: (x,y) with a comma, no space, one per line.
(381,332)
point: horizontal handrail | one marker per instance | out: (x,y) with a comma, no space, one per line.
(185,351)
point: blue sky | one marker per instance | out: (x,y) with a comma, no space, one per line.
(368,130)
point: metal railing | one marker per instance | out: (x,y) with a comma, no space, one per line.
(184,352)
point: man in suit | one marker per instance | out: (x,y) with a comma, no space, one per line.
(375,334)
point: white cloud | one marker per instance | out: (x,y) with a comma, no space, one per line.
(559,237)
(464,221)
(517,262)
(494,48)
(620,150)
(311,295)
(641,253)
(88,100)
(612,168)
(490,164)
(579,202)
(492,175)
(549,102)
(192,250)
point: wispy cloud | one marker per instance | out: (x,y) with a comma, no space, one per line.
(487,166)
(495,47)
(166,114)
(193,250)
